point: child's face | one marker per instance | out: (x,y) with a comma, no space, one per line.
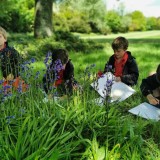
(119,53)
(2,40)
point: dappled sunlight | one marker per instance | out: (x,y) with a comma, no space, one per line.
(77,123)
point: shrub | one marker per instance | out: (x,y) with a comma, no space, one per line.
(74,43)
(79,25)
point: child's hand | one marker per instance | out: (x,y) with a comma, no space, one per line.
(152,100)
(10,77)
(118,79)
(99,74)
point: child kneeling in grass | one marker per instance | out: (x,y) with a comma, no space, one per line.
(59,78)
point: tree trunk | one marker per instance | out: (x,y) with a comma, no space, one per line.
(43,18)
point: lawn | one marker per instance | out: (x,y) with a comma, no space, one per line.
(77,128)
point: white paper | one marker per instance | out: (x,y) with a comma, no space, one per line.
(119,90)
(147,111)
(99,101)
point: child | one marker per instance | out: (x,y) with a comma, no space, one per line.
(122,64)
(60,74)
(10,62)
(150,87)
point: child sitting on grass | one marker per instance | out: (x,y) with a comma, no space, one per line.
(150,87)
(59,77)
(122,64)
(10,63)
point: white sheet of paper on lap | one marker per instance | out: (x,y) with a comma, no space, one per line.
(146,111)
(119,90)
(100,84)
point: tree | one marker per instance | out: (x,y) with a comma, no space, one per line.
(151,23)
(113,20)
(43,18)
(138,21)
(92,11)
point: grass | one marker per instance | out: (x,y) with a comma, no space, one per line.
(77,128)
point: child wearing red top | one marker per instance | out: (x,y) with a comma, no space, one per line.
(59,76)
(122,64)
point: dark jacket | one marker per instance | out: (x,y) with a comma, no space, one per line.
(9,61)
(130,71)
(68,77)
(149,84)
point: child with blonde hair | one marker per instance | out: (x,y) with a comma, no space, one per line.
(9,62)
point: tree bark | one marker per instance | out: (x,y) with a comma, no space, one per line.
(43,18)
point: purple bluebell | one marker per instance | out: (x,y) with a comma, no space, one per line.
(33,60)
(47,59)
(9,118)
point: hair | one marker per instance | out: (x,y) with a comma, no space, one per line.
(3,32)
(120,43)
(60,54)
(158,73)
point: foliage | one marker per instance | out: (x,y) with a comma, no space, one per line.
(75,16)
(113,20)
(151,23)
(60,23)
(74,43)
(138,21)
(17,15)
(76,127)
(125,23)
(81,15)
(71,20)
(28,47)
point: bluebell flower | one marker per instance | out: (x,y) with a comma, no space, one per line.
(37,74)
(109,83)
(1,81)
(33,60)
(19,89)
(47,59)
(9,118)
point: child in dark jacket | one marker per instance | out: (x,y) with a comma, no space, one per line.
(9,62)
(9,57)
(150,87)
(122,64)
(59,76)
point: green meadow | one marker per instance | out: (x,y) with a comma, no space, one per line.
(76,128)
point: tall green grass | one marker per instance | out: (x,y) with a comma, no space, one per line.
(76,127)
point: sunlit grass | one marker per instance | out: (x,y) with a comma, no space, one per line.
(130,35)
(77,128)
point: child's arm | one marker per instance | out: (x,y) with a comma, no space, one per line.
(16,60)
(148,85)
(133,74)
